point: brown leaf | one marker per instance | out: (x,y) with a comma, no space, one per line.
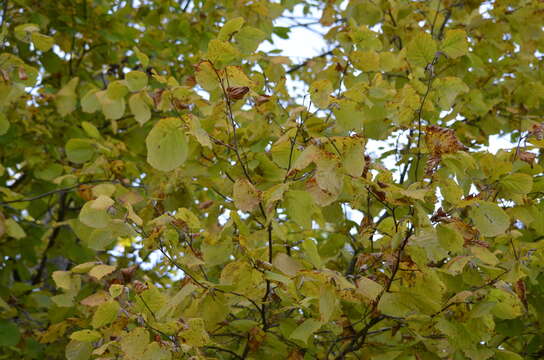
(537,130)
(139,287)
(156,96)
(295,355)
(440,141)
(190,81)
(256,338)
(85,192)
(527,156)
(128,273)
(261,99)
(519,288)
(237,92)
(22,73)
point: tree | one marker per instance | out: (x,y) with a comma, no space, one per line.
(163,195)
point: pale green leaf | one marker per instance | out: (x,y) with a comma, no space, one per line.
(369,288)
(63,279)
(99,271)
(166,145)
(249,38)
(188,217)
(300,207)
(139,108)
(455,43)
(246,197)
(304,330)
(78,350)
(319,93)
(86,335)
(136,80)
(135,343)
(421,50)
(231,27)
(489,218)
(66,98)
(105,314)
(92,217)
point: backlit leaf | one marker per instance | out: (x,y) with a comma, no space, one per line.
(166,145)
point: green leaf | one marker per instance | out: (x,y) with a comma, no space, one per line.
(89,102)
(395,304)
(194,334)
(117,89)
(166,145)
(486,256)
(319,93)
(63,279)
(90,129)
(189,218)
(286,264)
(490,219)
(143,58)
(86,335)
(42,42)
(116,290)
(216,253)
(354,159)
(421,50)
(221,52)
(369,288)
(249,38)
(156,351)
(79,151)
(24,32)
(367,61)
(304,330)
(4,124)
(232,26)
(105,314)
(507,304)
(450,238)
(310,248)
(139,108)
(516,183)
(135,343)
(95,218)
(455,43)
(78,350)
(14,230)
(112,108)
(507,355)
(448,88)
(66,98)
(300,207)
(349,116)
(9,333)
(246,197)
(206,76)
(328,301)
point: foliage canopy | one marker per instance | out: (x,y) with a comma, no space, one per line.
(164,195)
